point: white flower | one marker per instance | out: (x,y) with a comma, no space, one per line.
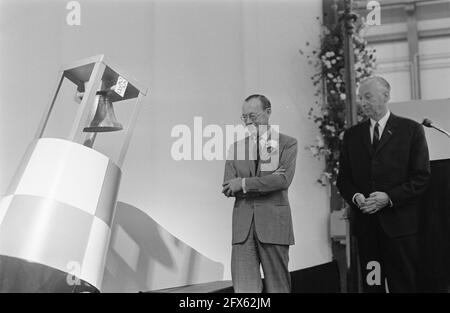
(268,148)
(330,128)
(272,145)
(343,96)
(330,75)
(320,142)
(333,61)
(327,63)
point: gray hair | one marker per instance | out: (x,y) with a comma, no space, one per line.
(382,81)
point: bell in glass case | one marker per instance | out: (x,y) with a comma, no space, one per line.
(105,119)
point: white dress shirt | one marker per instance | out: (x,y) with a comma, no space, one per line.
(381,125)
(262,142)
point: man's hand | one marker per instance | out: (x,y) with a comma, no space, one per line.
(360,199)
(376,201)
(279,171)
(232,186)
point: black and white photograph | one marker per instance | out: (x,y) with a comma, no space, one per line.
(199,147)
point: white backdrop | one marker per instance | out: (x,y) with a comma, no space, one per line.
(198,58)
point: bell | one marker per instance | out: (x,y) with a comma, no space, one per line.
(104,119)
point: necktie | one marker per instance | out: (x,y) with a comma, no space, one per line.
(376,136)
(257,153)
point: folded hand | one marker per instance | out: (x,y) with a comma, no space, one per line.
(232,186)
(375,202)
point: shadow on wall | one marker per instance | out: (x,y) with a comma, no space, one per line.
(143,256)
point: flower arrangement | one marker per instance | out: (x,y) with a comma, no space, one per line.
(328,111)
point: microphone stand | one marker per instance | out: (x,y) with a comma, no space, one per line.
(428,123)
(442,131)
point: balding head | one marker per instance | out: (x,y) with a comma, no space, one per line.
(265,103)
(256,110)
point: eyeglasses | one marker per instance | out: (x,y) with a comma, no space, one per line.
(251,116)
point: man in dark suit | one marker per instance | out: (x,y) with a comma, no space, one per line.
(384,168)
(259,179)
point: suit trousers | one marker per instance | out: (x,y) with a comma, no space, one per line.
(248,256)
(397,258)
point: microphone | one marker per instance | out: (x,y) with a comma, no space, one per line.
(428,123)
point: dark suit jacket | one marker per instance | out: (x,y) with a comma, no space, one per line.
(400,167)
(267,198)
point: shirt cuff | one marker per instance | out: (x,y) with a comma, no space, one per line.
(244,190)
(354,198)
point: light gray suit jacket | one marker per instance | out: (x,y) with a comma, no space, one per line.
(266,199)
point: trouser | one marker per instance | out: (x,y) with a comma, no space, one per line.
(246,258)
(382,257)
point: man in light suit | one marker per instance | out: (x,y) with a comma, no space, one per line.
(384,168)
(262,223)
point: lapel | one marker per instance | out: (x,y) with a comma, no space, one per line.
(251,163)
(258,170)
(388,131)
(366,136)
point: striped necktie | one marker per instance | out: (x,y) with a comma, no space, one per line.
(257,153)
(376,136)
